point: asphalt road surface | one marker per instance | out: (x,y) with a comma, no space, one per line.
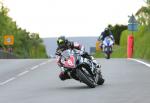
(36,81)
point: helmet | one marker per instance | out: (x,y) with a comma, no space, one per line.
(61,41)
(106,31)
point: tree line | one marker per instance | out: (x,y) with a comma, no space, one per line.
(143,15)
(116,31)
(26,44)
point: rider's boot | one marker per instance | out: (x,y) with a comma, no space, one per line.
(63,75)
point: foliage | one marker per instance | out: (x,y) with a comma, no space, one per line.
(118,52)
(27,45)
(141,37)
(141,43)
(116,30)
(143,15)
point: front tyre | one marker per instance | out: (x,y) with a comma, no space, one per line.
(108,56)
(86,78)
(107,52)
(100,79)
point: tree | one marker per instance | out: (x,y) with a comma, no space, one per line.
(143,14)
(117,30)
(27,45)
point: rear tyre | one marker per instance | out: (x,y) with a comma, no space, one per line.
(85,78)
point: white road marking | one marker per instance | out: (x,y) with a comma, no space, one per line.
(25,72)
(35,67)
(7,81)
(50,60)
(42,63)
(146,64)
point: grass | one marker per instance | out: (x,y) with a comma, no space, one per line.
(141,45)
(118,52)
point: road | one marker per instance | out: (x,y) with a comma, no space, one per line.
(36,81)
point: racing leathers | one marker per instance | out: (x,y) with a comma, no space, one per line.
(70,45)
(104,35)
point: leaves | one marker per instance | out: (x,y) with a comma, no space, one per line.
(143,15)
(117,30)
(27,45)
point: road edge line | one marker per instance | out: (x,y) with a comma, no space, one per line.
(139,61)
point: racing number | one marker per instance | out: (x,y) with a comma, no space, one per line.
(70,62)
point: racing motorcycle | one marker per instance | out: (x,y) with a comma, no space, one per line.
(81,69)
(107,47)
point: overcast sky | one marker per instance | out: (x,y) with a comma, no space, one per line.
(52,18)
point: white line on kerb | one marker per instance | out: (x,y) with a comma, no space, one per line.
(148,65)
(7,81)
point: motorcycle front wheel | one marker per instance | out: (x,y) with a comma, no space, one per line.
(100,79)
(108,56)
(86,77)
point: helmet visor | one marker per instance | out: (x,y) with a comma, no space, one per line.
(107,32)
(60,42)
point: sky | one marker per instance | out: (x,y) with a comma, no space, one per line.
(53,18)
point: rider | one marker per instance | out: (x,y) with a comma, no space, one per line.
(64,44)
(104,34)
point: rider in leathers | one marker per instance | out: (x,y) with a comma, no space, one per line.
(107,32)
(64,44)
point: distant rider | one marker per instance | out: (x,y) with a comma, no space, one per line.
(105,34)
(64,44)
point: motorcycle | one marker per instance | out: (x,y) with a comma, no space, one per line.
(107,47)
(81,69)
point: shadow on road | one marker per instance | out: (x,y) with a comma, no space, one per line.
(75,87)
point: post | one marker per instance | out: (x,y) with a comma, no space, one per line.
(130,46)
(132,26)
(97,45)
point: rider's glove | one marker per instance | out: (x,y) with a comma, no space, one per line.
(58,52)
(82,52)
